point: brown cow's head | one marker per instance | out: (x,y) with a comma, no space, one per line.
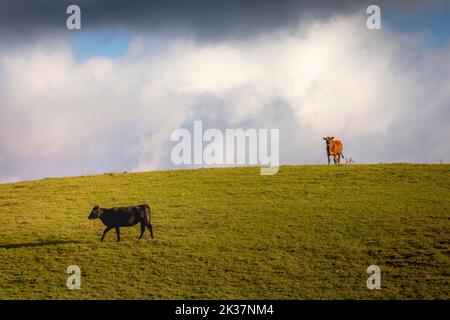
(95,213)
(328,140)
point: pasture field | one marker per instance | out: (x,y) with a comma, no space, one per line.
(308,232)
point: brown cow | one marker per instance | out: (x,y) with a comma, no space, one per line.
(334,148)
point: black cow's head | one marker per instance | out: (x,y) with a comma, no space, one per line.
(95,213)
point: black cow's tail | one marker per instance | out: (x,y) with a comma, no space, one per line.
(147,207)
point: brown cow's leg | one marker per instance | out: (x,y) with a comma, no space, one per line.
(328,159)
(334,159)
(104,232)
(339,159)
(142,230)
(118,233)
(150,228)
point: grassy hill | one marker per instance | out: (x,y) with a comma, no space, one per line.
(307,232)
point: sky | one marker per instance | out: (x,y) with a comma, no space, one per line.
(106,98)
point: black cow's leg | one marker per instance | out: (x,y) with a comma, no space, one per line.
(118,233)
(150,228)
(104,232)
(142,230)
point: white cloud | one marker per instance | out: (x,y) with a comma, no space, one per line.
(380,92)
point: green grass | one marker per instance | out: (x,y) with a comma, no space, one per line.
(308,232)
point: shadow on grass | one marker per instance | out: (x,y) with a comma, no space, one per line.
(37,244)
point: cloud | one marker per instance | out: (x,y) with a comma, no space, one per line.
(211,20)
(201,16)
(384,94)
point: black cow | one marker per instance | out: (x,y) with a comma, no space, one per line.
(123,217)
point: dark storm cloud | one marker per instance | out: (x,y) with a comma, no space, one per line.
(206,19)
(202,18)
